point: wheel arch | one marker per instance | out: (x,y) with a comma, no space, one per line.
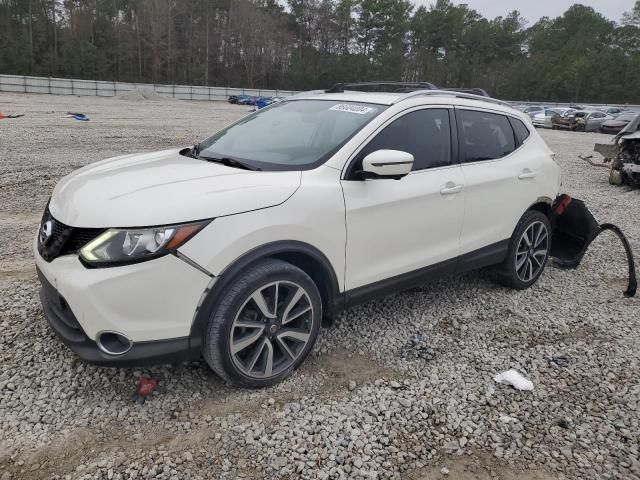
(304,256)
(543,205)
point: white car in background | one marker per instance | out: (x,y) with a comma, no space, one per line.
(236,249)
(543,119)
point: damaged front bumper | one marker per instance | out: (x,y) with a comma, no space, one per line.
(574,229)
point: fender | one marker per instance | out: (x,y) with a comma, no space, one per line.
(284,250)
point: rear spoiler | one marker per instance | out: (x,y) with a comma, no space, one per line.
(574,230)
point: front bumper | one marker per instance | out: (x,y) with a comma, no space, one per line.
(152,303)
(64,323)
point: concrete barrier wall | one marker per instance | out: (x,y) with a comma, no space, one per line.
(65,86)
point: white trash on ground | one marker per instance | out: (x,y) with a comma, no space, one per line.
(514,378)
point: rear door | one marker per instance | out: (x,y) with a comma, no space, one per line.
(399,226)
(500,176)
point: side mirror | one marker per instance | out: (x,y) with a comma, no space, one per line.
(393,164)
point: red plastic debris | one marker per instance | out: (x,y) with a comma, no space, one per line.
(145,386)
(562,204)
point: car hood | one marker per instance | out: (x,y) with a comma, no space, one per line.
(162,188)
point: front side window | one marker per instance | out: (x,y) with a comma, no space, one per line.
(291,135)
(485,136)
(425,134)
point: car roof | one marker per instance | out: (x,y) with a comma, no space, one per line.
(422,97)
(379,98)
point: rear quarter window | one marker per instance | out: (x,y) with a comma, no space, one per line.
(520,130)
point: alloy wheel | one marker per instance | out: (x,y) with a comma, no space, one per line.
(271,329)
(532,251)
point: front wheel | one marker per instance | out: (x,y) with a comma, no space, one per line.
(528,251)
(265,326)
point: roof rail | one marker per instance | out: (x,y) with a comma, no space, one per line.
(476,91)
(454,93)
(340,87)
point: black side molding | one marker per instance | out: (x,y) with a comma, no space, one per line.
(483,257)
(388,286)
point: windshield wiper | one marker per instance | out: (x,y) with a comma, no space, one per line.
(230,162)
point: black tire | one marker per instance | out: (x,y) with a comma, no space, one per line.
(225,318)
(508,272)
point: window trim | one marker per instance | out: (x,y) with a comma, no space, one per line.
(458,109)
(349,168)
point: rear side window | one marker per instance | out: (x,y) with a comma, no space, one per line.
(485,136)
(425,134)
(520,130)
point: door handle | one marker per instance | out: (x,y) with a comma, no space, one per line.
(451,188)
(526,174)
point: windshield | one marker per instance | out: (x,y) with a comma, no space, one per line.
(291,135)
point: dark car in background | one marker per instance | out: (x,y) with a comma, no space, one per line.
(246,100)
(616,125)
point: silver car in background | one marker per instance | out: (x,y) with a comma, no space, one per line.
(589,120)
(613,111)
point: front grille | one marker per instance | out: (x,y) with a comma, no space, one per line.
(56,239)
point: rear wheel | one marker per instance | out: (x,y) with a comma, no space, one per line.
(265,326)
(528,251)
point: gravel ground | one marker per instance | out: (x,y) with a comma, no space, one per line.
(369,403)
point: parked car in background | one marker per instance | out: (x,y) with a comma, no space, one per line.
(262,102)
(583,121)
(589,121)
(543,118)
(616,125)
(613,111)
(233,99)
(560,112)
(533,109)
(246,100)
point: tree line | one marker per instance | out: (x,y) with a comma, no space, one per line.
(304,44)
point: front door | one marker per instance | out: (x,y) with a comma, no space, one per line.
(399,226)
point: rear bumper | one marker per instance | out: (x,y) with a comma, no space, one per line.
(574,229)
(64,323)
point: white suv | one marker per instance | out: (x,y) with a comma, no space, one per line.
(236,249)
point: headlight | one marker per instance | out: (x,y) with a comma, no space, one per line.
(123,246)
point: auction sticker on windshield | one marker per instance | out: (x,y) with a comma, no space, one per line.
(351,108)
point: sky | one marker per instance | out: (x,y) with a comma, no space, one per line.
(532,10)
